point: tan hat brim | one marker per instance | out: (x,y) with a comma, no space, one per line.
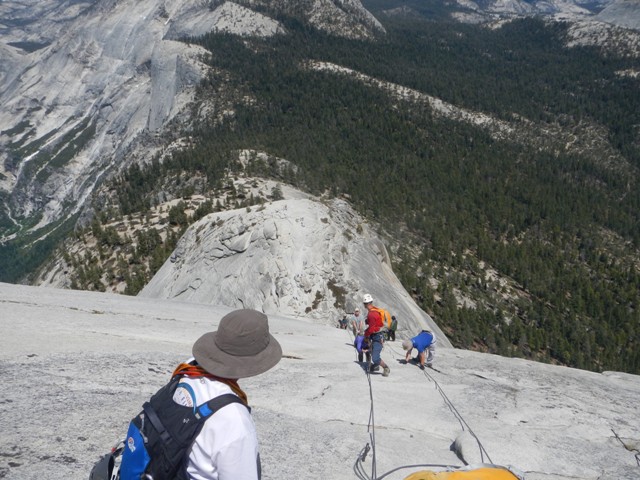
(221,364)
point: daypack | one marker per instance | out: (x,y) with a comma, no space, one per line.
(159,438)
(385,316)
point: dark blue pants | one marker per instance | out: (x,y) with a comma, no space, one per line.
(376,349)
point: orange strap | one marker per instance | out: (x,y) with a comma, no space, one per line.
(195,371)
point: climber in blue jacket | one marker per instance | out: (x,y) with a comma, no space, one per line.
(424,342)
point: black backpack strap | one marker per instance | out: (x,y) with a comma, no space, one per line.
(215,404)
(203,411)
(153,417)
(151,413)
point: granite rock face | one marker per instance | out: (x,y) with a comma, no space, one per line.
(77,366)
(297,257)
(92,79)
(88,87)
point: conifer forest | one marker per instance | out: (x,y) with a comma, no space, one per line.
(455,199)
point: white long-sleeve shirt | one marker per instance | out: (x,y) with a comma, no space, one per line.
(227,446)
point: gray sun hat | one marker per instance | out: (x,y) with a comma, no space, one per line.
(241,347)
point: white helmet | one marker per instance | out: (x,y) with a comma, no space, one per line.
(367,298)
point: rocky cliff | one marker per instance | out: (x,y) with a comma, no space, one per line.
(89,87)
(297,257)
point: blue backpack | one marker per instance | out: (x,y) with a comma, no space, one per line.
(159,438)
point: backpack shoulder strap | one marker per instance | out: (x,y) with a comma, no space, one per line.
(215,404)
(202,412)
(176,441)
(161,397)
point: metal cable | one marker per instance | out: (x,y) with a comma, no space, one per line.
(372,424)
(359,467)
(463,424)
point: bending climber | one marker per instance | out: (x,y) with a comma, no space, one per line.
(424,342)
(362,347)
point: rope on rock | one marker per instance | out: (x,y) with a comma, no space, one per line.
(358,467)
(456,413)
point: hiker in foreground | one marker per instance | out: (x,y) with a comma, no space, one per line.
(374,335)
(199,425)
(227,446)
(424,342)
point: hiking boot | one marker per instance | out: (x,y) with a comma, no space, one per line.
(385,372)
(374,368)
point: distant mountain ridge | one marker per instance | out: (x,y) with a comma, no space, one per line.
(89,87)
(625,13)
(622,13)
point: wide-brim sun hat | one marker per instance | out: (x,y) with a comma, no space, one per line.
(241,347)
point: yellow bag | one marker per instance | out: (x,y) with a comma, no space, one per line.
(385,316)
(483,473)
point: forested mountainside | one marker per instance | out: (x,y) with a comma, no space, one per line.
(502,164)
